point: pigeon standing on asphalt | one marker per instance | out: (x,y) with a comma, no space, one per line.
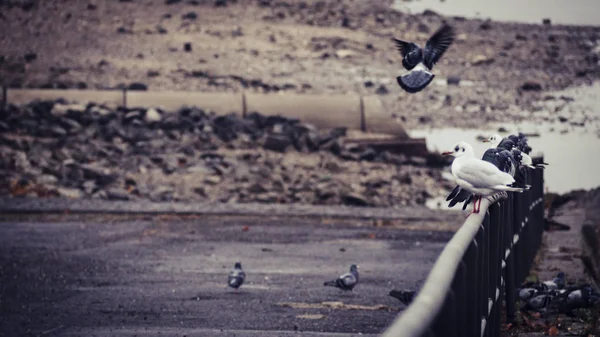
(420,61)
(236,276)
(406,297)
(346,281)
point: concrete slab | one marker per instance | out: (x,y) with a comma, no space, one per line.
(66,275)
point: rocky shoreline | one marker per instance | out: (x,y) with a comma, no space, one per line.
(92,151)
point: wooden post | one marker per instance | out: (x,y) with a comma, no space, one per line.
(125,98)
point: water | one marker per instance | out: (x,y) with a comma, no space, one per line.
(573,158)
(566,12)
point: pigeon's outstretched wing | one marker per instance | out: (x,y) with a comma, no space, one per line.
(403,47)
(437,45)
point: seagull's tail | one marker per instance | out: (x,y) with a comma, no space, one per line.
(415,81)
(511,189)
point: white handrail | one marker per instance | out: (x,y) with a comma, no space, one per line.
(420,314)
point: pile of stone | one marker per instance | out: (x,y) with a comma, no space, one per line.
(53,148)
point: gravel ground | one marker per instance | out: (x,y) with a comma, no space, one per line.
(503,70)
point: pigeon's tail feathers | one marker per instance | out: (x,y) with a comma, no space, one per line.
(415,81)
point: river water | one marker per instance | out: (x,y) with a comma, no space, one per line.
(566,12)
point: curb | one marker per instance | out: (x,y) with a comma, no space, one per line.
(96,206)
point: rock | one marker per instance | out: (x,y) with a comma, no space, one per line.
(152,116)
(102,175)
(137,86)
(453,80)
(220,3)
(189,16)
(546,22)
(162,193)
(59,109)
(369,84)
(257,189)
(486,25)
(123,30)
(71,193)
(30,57)
(354,199)
(382,90)
(46,179)
(531,86)
(481,60)
(187,47)
(213,179)
(562,119)
(152,73)
(424,119)
(161,30)
(117,194)
(344,53)
(172,2)
(277,143)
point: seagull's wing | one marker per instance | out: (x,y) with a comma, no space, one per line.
(403,47)
(437,45)
(482,174)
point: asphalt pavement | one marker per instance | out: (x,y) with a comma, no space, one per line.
(165,275)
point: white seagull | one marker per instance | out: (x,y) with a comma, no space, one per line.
(477,176)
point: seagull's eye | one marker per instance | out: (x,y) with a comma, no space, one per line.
(463,149)
(456,148)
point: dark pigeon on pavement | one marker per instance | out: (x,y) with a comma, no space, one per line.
(236,276)
(346,281)
(406,297)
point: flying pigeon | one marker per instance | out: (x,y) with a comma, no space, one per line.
(346,281)
(236,276)
(420,61)
(406,297)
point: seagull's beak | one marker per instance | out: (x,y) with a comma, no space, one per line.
(447,153)
(486,140)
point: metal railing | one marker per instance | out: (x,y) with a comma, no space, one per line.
(484,262)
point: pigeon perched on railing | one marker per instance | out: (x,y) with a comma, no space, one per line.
(406,297)
(236,276)
(420,61)
(345,281)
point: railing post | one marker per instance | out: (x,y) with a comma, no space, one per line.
(461,294)
(510,268)
(472,268)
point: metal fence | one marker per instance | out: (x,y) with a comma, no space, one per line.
(484,262)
